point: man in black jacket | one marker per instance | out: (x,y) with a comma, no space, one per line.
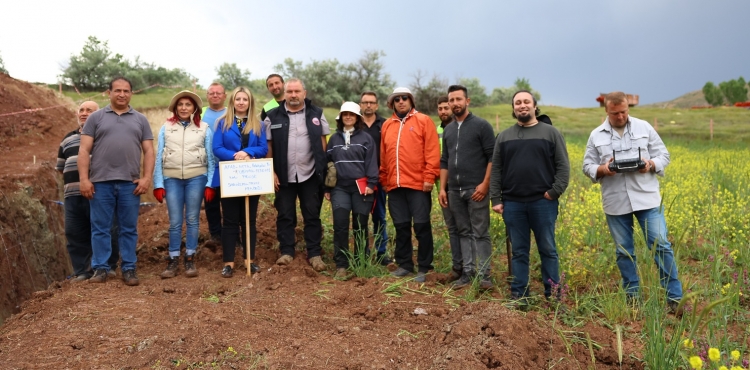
(296,131)
(465,165)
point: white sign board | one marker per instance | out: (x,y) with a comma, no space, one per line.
(243,178)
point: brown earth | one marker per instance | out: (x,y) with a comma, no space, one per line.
(282,318)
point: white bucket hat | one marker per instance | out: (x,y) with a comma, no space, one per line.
(349,106)
(186,93)
(398,92)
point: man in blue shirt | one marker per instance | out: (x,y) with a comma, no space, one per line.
(216,97)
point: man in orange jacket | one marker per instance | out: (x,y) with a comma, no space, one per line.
(409,165)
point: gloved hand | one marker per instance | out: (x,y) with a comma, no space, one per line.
(209,194)
(159,194)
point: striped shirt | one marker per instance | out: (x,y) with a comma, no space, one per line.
(67,162)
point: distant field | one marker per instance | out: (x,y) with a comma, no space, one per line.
(730,124)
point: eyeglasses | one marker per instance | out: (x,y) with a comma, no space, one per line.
(400,98)
(369,103)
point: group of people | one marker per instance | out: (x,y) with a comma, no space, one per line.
(368,160)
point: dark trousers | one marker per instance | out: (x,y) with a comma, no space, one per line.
(78,235)
(310,195)
(407,206)
(346,201)
(213,213)
(234,226)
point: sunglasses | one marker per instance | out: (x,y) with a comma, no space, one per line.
(400,98)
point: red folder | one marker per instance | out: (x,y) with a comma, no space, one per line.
(362,185)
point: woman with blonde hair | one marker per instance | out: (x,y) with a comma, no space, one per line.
(182,175)
(239,136)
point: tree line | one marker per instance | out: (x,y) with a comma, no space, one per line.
(727,92)
(328,82)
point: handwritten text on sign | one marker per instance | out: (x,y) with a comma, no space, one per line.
(242,178)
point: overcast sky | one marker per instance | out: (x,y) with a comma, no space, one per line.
(569,50)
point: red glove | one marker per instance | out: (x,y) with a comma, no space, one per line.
(209,194)
(159,194)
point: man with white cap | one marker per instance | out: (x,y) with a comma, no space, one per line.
(409,165)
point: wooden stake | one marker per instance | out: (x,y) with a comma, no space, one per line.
(249,260)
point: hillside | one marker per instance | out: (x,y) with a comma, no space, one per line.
(689,100)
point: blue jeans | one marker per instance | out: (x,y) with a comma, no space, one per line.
(472,223)
(184,195)
(110,197)
(380,235)
(654,229)
(520,219)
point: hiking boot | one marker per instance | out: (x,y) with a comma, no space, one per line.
(486,284)
(190,270)
(284,260)
(454,275)
(401,272)
(111,273)
(130,278)
(341,274)
(172,265)
(227,271)
(383,259)
(462,282)
(317,264)
(674,308)
(254,269)
(421,277)
(100,276)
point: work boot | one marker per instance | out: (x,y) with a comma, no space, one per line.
(454,275)
(284,260)
(401,272)
(462,282)
(190,270)
(341,274)
(130,278)
(100,276)
(172,265)
(317,264)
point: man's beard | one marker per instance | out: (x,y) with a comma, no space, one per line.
(525,118)
(460,113)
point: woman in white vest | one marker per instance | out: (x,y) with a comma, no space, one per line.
(239,136)
(182,175)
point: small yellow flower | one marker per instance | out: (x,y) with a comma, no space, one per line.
(735,355)
(737,368)
(714,354)
(696,362)
(722,367)
(687,343)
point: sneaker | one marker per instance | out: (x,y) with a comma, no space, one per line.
(341,273)
(454,275)
(284,260)
(172,265)
(462,282)
(317,264)
(518,303)
(80,278)
(674,308)
(100,276)
(401,272)
(486,284)
(227,271)
(190,270)
(383,259)
(130,278)
(421,277)
(254,269)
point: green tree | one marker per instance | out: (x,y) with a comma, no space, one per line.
(2,66)
(367,74)
(426,92)
(713,94)
(734,91)
(524,84)
(232,76)
(95,66)
(477,92)
(502,95)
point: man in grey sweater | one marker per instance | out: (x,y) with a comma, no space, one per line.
(529,173)
(465,167)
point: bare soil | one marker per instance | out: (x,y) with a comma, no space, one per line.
(281,318)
